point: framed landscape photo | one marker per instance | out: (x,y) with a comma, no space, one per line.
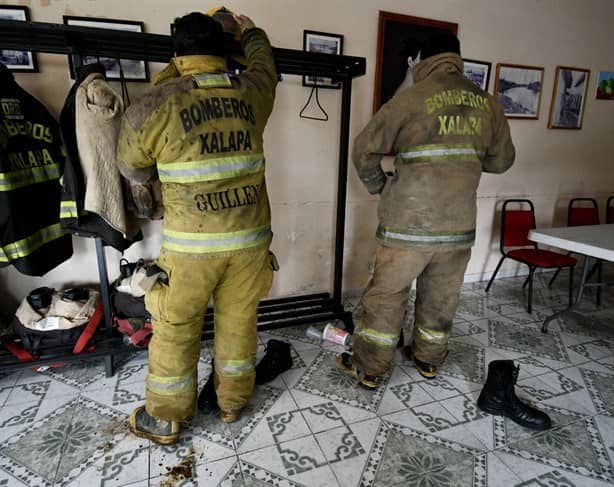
(325,43)
(568,98)
(134,70)
(19,61)
(519,90)
(400,37)
(477,72)
(605,85)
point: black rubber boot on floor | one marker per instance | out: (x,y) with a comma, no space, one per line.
(207,399)
(277,359)
(499,398)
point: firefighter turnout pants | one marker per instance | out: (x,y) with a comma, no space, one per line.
(439,277)
(237,283)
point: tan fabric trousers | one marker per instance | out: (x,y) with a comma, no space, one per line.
(237,284)
(439,277)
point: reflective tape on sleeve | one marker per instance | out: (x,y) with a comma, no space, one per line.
(198,243)
(235,368)
(393,235)
(25,177)
(377,337)
(440,152)
(25,246)
(68,209)
(431,336)
(170,386)
(211,169)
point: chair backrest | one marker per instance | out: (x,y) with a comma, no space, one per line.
(609,210)
(515,225)
(582,215)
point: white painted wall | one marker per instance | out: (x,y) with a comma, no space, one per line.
(552,165)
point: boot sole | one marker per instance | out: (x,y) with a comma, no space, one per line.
(160,440)
(498,412)
(427,375)
(352,373)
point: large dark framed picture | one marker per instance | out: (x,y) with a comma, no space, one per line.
(134,70)
(478,72)
(400,37)
(325,43)
(18,61)
(519,89)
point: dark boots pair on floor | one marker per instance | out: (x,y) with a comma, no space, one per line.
(498,397)
(277,359)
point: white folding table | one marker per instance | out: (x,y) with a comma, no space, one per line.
(592,241)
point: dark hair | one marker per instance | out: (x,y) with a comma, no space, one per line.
(198,33)
(438,43)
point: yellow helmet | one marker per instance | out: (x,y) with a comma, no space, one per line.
(226,19)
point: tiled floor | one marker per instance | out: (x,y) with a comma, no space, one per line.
(312,427)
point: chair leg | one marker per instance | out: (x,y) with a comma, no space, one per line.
(556,273)
(495,274)
(530,279)
(526,281)
(571,269)
(600,280)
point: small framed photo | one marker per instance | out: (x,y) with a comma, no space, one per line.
(568,98)
(18,61)
(477,72)
(325,43)
(134,70)
(519,89)
(605,85)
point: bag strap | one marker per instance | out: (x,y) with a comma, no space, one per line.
(19,351)
(138,338)
(88,332)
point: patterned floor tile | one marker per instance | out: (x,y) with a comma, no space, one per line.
(522,340)
(404,456)
(347,449)
(62,445)
(601,389)
(464,361)
(221,473)
(499,474)
(299,460)
(594,350)
(292,376)
(324,378)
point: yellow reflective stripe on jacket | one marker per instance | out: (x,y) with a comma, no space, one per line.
(377,337)
(25,246)
(212,80)
(235,368)
(169,386)
(210,169)
(387,234)
(68,209)
(25,177)
(198,243)
(440,152)
(431,336)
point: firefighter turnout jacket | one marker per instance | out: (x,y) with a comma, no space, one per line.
(444,131)
(31,164)
(204,131)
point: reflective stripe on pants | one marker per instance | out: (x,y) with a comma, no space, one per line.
(237,284)
(384,302)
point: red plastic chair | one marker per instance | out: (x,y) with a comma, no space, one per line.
(609,210)
(515,227)
(579,216)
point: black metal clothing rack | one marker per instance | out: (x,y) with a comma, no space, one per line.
(272,313)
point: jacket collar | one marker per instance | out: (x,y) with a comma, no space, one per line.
(189,65)
(446,62)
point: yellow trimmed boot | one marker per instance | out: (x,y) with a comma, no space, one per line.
(344,363)
(428,371)
(230,415)
(159,431)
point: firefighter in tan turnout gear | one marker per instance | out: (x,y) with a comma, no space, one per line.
(444,131)
(201,129)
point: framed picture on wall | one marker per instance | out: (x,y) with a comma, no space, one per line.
(400,37)
(605,85)
(19,61)
(478,72)
(325,43)
(134,70)
(519,90)
(568,98)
